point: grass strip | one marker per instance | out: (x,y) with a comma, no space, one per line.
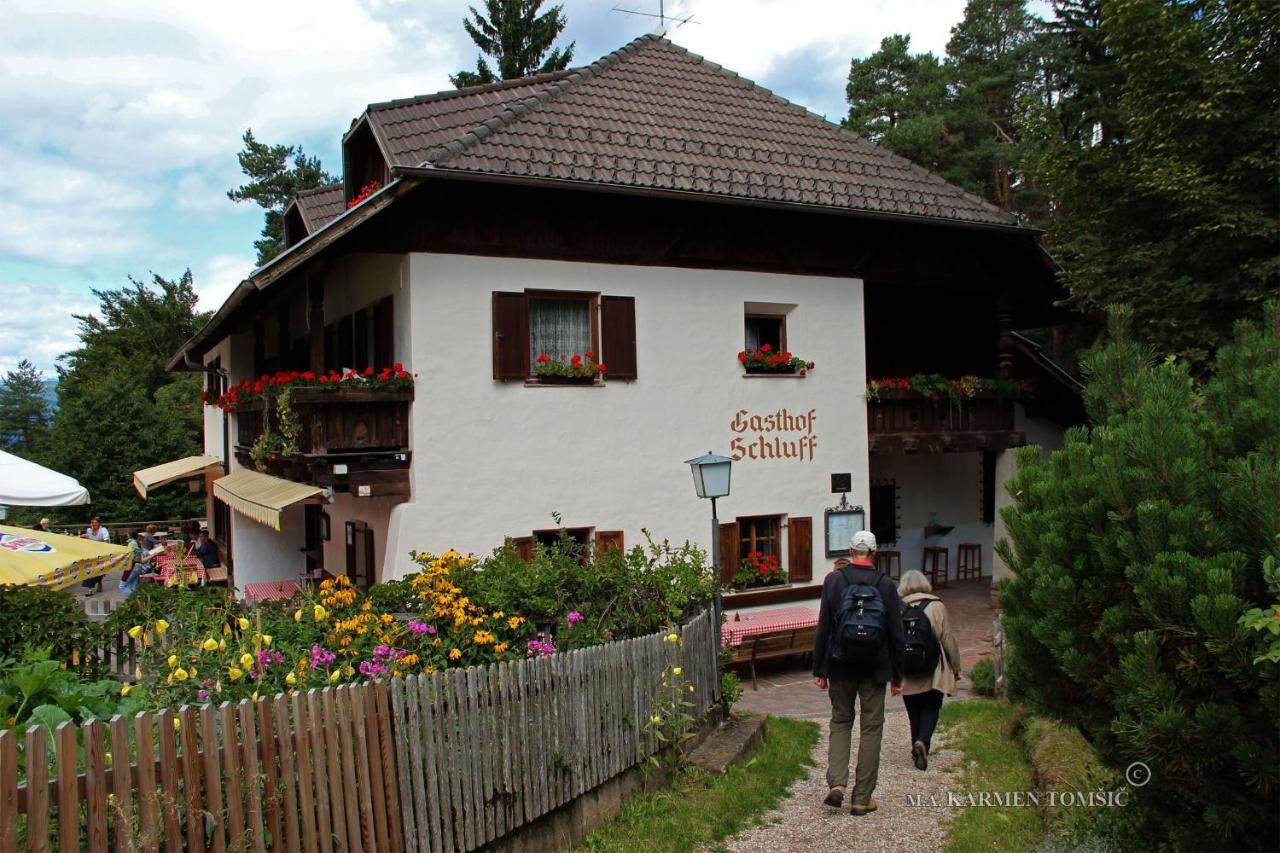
(994,762)
(699,809)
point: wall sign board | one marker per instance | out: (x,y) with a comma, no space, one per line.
(840,526)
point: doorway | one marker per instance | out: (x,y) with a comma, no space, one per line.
(360,564)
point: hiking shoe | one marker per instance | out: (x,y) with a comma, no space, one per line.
(834,797)
(858,811)
(920,755)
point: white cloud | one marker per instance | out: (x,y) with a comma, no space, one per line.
(36,323)
(215,279)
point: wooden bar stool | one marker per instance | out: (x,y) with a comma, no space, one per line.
(968,561)
(890,562)
(933,560)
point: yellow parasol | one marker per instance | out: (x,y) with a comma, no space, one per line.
(51,559)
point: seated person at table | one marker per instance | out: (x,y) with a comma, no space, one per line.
(205,550)
(140,563)
(149,537)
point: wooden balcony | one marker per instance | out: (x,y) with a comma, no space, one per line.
(904,422)
(365,431)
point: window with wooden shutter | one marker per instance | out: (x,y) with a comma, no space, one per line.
(608,540)
(510,336)
(618,330)
(800,549)
(728,552)
(523,546)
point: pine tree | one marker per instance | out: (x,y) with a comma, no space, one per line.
(1161,162)
(1136,550)
(517,38)
(24,410)
(276,174)
(898,99)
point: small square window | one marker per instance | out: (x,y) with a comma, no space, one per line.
(559,327)
(766,330)
(762,535)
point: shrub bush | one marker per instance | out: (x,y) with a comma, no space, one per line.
(983,677)
(36,617)
(1136,551)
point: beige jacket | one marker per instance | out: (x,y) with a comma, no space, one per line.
(948,668)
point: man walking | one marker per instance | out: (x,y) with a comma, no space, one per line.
(858,648)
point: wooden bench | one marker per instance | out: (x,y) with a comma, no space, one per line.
(774,644)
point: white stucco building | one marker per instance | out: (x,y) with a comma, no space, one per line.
(663,215)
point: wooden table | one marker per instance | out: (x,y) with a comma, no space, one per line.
(745,624)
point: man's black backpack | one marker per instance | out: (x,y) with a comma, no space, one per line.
(859,624)
(922,650)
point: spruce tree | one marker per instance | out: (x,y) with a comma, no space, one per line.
(24,410)
(517,38)
(276,174)
(1136,551)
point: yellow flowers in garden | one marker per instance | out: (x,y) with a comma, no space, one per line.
(243,623)
(172,661)
(319,613)
(135,632)
(180,674)
(125,689)
(210,645)
(161,627)
(235,673)
(291,679)
(246,660)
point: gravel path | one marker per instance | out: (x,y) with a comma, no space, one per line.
(802,824)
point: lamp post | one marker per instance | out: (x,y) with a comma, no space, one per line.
(711,480)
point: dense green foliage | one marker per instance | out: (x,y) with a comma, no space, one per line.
(983,677)
(1160,158)
(119,410)
(618,594)
(1136,550)
(276,174)
(1140,134)
(697,810)
(24,410)
(517,38)
(36,617)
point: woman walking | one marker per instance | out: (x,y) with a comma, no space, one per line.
(929,638)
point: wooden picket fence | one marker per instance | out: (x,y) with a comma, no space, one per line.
(447,761)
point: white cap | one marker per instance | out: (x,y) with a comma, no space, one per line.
(864,542)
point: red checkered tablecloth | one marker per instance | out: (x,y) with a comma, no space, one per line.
(267,590)
(747,623)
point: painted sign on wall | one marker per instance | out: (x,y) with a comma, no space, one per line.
(777,435)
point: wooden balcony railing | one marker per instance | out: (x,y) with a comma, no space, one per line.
(366,432)
(343,421)
(904,422)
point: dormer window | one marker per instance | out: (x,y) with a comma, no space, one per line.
(364,168)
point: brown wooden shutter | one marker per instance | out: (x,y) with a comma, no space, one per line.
(523,546)
(800,549)
(618,327)
(607,540)
(728,552)
(384,333)
(510,336)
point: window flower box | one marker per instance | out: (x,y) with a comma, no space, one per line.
(757,570)
(576,369)
(766,360)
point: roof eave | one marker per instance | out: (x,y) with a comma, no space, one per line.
(436,172)
(288,260)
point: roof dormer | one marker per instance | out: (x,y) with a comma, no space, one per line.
(363,161)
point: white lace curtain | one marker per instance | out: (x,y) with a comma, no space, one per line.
(559,327)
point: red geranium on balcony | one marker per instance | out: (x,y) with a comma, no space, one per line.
(386,378)
(767,360)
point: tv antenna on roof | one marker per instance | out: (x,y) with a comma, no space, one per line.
(662,17)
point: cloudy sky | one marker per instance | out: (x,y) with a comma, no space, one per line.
(120,122)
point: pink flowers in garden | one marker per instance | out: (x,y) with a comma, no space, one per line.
(377,665)
(418,627)
(573,618)
(541,647)
(320,656)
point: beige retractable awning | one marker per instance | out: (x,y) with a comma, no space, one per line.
(158,475)
(261,496)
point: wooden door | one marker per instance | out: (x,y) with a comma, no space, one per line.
(360,567)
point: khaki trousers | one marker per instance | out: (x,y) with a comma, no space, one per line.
(871,699)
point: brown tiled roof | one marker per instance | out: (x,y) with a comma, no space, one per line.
(321,205)
(653,115)
(411,128)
